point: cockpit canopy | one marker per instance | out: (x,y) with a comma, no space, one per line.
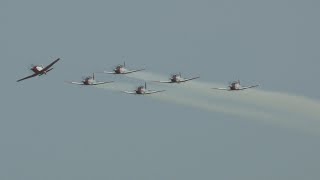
(236,82)
(119,66)
(175,75)
(88,78)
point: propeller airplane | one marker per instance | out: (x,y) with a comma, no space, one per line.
(142,90)
(90,81)
(235,86)
(177,78)
(39,70)
(121,69)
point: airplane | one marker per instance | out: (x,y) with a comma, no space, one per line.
(121,69)
(142,90)
(39,70)
(90,81)
(177,78)
(235,86)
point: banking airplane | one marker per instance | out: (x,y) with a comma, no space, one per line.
(142,90)
(176,78)
(235,86)
(121,69)
(39,70)
(89,81)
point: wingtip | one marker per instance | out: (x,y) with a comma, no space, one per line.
(140,70)
(107,72)
(219,89)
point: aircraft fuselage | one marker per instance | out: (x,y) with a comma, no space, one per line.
(37,69)
(120,70)
(176,78)
(235,86)
(140,90)
(88,81)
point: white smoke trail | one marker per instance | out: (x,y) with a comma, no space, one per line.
(283,109)
(275,100)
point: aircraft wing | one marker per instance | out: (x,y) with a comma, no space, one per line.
(243,88)
(163,81)
(132,71)
(98,83)
(152,92)
(226,89)
(77,83)
(109,72)
(185,80)
(47,67)
(33,75)
(129,92)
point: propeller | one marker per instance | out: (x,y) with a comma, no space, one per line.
(30,69)
(119,66)
(115,68)
(31,66)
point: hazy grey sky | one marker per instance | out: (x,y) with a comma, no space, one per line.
(52,130)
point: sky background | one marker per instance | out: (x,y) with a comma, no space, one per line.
(53,130)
